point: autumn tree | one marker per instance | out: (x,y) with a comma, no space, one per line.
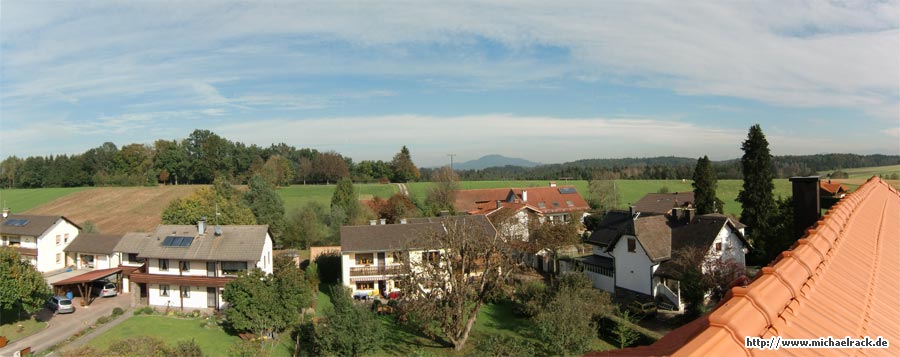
(221,197)
(329,167)
(277,171)
(403,167)
(466,264)
(756,195)
(705,184)
(266,205)
(441,196)
(551,236)
(22,287)
(396,208)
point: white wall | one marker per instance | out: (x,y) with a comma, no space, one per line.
(196,300)
(48,249)
(265,258)
(634,271)
(732,247)
(602,282)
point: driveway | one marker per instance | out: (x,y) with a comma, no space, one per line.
(61,326)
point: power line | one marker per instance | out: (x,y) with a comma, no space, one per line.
(451,160)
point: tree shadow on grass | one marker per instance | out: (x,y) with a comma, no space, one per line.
(401,340)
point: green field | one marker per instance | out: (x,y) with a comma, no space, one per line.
(630,191)
(213,340)
(296,196)
(867,172)
(23,199)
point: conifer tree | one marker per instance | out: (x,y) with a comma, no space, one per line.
(266,204)
(756,195)
(705,184)
(403,166)
(345,201)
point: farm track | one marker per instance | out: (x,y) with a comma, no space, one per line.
(116,209)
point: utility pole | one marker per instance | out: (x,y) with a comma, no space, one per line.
(451,160)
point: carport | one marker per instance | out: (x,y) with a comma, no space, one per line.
(84,283)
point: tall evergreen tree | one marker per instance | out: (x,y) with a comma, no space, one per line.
(267,206)
(345,200)
(705,184)
(756,195)
(403,166)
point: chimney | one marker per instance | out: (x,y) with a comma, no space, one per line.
(402,220)
(201,226)
(807,207)
(499,204)
(372,222)
(382,221)
(633,211)
(689,214)
(552,183)
(218,230)
(524,196)
(5,212)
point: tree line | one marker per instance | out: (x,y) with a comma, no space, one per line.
(198,159)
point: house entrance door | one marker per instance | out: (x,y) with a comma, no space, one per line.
(381,287)
(211,299)
(381,259)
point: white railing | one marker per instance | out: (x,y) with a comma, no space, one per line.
(669,294)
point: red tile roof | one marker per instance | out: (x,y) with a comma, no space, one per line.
(841,279)
(832,188)
(485,200)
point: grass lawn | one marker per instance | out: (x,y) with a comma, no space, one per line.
(297,196)
(21,329)
(22,199)
(867,172)
(213,341)
(630,191)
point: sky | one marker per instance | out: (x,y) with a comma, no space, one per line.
(541,80)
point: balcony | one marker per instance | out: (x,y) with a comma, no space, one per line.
(376,270)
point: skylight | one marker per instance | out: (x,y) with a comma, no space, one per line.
(567,190)
(570,204)
(16,222)
(176,241)
(541,205)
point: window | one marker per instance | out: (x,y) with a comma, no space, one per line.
(133,257)
(184,265)
(365,285)
(718,246)
(632,245)
(66,238)
(600,270)
(57,239)
(185,291)
(163,290)
(364,258)
(232,268)
(430,256)
(58,257)
(164,265)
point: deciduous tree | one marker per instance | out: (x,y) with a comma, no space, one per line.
(445,289)
(22,287)
(348,329)
(603,193)
(442,194)
(266,204)
(203,203)
(567,324)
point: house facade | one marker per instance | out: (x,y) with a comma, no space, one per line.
(40,240)
(633,252)
(187,266)
(93,251)
(374,256)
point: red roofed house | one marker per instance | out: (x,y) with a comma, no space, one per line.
(828,189)
(551,202)
(839,280)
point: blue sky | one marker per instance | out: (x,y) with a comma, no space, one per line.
(537,80)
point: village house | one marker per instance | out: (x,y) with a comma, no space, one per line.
(663,203)
(186,266)
(93,251)
(40,240)
(829,189)
(373,256)
(633,251)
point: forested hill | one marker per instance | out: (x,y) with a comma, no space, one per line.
(670,167)
(203,156)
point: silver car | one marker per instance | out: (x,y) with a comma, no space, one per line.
(61,305)
(105,289)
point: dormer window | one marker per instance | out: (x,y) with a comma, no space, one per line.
(632,245)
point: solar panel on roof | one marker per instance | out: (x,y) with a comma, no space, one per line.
(16,222)
(567,190)
(176,241)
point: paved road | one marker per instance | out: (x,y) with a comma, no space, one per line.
(61,326)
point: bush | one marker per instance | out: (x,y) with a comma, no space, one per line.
(245,348)
(102,320)
(187,349)
(506,346)
(118,311)
(530,298)
(195,313)
(329,266)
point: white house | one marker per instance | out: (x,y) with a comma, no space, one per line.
(374,256)
(633,252)
(188,266)
(39,239)
(94,251)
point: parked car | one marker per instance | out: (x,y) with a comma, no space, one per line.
(642,309)
(105,288)
(61,305)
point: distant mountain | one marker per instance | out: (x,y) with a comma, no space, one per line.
(493,161)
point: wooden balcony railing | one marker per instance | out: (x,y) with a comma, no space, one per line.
(375,270)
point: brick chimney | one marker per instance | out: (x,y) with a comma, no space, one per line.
(807,207)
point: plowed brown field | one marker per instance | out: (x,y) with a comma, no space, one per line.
(116,209)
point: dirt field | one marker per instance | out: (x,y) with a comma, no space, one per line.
(116,209)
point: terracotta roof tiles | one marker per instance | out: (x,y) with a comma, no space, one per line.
(840,280)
